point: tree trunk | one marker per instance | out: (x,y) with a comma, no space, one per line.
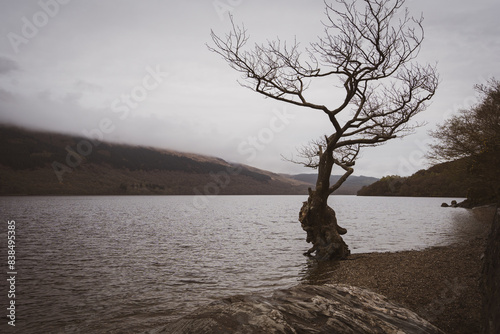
(318,219)
(320,224)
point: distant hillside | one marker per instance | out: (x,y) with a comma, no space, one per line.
(349,187)
(37,163)
(449,179)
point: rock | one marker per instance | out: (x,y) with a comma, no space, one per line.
(304,309)
(454,204)
(466,204)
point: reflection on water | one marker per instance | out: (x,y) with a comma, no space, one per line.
(129,264)
(317,273)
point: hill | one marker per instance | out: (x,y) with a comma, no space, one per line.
(350,187)
(41,163)
(38,163)
(449,179)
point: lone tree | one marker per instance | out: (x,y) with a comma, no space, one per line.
(368,49)
(473,135)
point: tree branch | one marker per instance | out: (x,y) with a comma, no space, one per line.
(370,48)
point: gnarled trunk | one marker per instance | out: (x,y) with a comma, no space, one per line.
(317,218)
(320,223)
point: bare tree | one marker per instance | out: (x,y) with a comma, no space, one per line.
(473,135)
(369,47)
(472,132)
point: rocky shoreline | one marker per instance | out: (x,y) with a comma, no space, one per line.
(411,290)
(327,308)
(440,284)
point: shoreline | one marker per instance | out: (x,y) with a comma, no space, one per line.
(440,284)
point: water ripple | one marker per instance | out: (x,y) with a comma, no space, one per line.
(121,264)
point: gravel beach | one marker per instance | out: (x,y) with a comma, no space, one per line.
(441,284)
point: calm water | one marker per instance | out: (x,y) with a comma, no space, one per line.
(129,264)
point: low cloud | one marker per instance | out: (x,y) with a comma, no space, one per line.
(8,65)
(83,85)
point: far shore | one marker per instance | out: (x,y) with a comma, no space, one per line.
(441,284)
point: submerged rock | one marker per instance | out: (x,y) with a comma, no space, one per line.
(304,309)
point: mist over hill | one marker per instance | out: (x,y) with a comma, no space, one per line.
(38,163)
(41,163)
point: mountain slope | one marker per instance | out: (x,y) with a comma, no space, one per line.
(459,178)
(349,187)
(37,163)
(449,179)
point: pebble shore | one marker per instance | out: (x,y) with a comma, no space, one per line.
(441,284)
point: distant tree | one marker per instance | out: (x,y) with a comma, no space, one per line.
(123,188)
(369,48)
(474,134)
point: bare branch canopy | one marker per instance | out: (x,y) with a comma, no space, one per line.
(371,50)
(368,51)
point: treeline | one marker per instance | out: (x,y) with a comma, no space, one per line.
(27,168)
(471,141)
(461,178)
(28,150)
(448,179)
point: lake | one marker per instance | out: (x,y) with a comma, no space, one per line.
(113,264)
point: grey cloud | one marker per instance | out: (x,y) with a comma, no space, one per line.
(68,76)
(87,86)
(6,96)
(8,65)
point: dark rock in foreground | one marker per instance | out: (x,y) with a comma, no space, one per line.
(304,309)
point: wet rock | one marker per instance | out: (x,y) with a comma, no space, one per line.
(453,204)
(304,309)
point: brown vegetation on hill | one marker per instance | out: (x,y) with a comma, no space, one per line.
(34,163)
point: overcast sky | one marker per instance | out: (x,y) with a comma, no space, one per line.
(140,71)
